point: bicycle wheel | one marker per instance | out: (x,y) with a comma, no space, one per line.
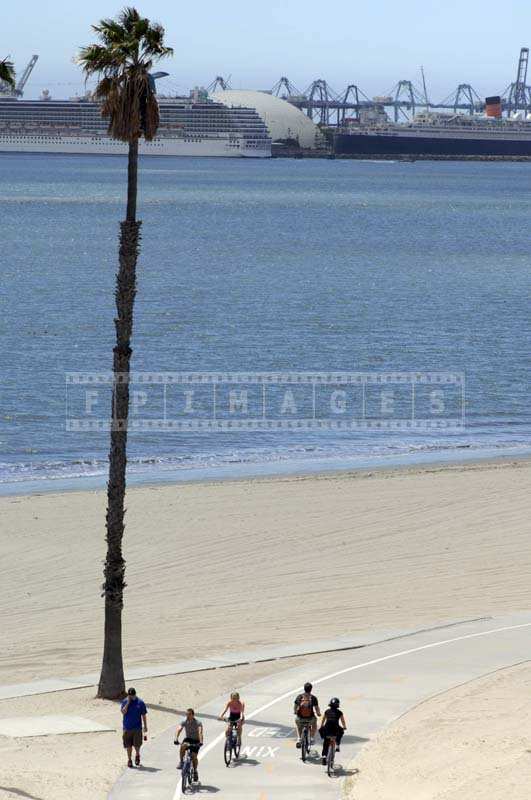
(190,775)
(304,743)
(330,759)
(227,751)
(184,777)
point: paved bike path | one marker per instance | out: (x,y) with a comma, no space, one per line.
(376,685)
(214,661)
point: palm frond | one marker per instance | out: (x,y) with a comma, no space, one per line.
(123,58)
(128,18)
(153,44)
(111,32)
(7,72)
(96,58)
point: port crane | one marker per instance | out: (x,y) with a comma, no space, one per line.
(518,93)
(220,83)
(18,91)
(285,88)
(406,99)
(326,107)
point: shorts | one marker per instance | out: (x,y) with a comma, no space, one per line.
(133,738)
(306,720)
(195,744)
(331,729)
(234,716)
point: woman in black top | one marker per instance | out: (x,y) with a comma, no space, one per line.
(333,725)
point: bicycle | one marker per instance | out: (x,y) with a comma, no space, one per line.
(232,743)
(330,756)
(187,769)
(306,739)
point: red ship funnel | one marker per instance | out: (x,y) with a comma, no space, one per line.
(493,106)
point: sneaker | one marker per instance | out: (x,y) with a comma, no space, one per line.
(137,761)
(180,765)
(337,748)
(298,744)
(196,777)
(129,763)
(323,761)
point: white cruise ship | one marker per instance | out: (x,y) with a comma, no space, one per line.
(194,126)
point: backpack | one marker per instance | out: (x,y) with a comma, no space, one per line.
(305,706)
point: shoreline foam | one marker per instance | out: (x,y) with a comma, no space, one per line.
(273,469)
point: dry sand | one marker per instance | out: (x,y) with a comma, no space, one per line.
(397,548)
(472,743)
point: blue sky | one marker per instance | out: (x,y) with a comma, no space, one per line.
(373,44)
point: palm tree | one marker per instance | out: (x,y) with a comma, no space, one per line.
(122,59)
(7,72)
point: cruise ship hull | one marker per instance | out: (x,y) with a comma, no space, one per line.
(381,144)
(189,126)
(78,145)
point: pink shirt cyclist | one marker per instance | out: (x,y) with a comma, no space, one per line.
(236,709)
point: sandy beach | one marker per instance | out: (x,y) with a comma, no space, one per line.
(472,743)
(401,547)
(379,549)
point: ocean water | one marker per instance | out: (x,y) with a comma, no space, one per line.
(282,265)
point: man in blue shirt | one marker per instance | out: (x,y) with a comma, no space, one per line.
(134,718)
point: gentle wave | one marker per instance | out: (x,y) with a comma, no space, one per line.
(157,466)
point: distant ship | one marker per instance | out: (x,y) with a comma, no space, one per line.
(438,135)
(191,126)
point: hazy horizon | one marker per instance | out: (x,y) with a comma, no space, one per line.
(373,45)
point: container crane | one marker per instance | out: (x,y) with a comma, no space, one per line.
(219,83)
(18,91)
(289,89)
(518,99)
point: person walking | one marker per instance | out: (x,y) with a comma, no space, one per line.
(134,713)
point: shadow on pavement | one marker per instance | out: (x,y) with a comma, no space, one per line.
(243,761)
(353,739)
(168,710)
(346,773)
(142,768)
(19,792)
(204,787)
(251,723)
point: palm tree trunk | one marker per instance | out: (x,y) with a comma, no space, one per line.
(112,682)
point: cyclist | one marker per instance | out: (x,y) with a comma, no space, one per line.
(333,726)
(193,732)
(236,709)
(305,708)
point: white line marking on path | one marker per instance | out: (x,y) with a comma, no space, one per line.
(207,748)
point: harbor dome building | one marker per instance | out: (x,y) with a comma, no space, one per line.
(283,120)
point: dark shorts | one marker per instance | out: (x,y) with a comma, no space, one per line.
(306,720)
(195,744)
(332,729)
(133,738)
(234,716)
